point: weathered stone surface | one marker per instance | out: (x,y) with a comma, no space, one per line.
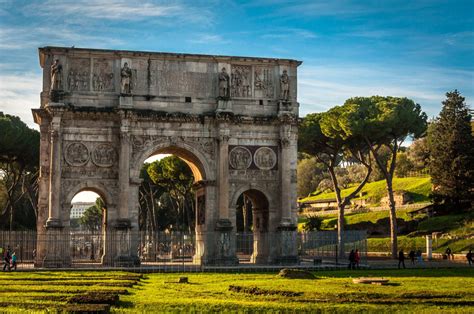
(104,112)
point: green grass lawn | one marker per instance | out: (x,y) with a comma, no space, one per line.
(54,291)
(418,188)
(425,290)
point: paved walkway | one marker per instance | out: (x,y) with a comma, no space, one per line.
(372,263)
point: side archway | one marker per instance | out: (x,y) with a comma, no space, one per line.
(255,204)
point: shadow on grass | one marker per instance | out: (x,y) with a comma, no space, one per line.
(124,304)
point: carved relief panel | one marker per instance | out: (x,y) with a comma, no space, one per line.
(104,155)
(265,158)
(240,158)
(89,159)
(103,75)
(241,81)
(76,154)
(253,157)
(78,77)
(263,82)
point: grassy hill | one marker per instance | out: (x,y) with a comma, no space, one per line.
(418,188)
(412,227)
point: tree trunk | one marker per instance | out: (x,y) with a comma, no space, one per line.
(393,217)
(340,215)
(340,231)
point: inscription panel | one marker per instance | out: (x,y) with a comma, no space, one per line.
(251,174)
(184,78)
(89,172)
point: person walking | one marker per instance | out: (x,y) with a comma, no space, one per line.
(401,259)
(352,260)
(356,258)
(412,257)
(419,256)
(469,257)
(6,260)
(13,264)
(448,253)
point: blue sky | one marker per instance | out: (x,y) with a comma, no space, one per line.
(417,49)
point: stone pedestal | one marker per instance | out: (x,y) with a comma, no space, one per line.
(284,107)
(57,247)
(126,101)
(122,248)
(288,248)
(224,105)
(225,244)
(56,96)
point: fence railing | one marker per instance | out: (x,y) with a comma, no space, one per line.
(86,249)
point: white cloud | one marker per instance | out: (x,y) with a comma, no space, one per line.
(324,86)
(20,93)
(16,38)
(289,32)
(119,10)
(207,38)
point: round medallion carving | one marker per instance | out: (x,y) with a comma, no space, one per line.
(265,158)
(77,154)
(240,158)
(104,155)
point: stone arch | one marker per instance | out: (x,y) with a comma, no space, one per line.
(262,217)
(95,187)
(246,187)
(196,160)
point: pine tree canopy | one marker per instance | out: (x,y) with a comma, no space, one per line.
(452,151)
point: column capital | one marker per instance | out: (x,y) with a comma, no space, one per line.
(224,136)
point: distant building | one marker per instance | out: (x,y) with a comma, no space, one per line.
(77,209)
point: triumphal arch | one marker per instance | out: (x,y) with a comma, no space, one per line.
(233,120)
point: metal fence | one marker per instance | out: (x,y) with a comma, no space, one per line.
(174,250)
(322,246)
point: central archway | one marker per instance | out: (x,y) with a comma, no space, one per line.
(178,244)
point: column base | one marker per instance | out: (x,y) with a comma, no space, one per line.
(54,261)
(287,260)
(288,252)
(126,261)
(225,246)
(53,223)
